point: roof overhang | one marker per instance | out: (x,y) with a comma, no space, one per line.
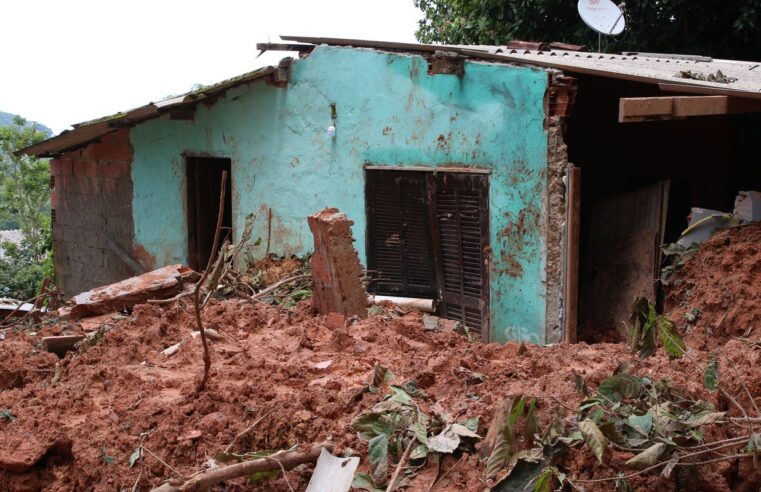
(90,131)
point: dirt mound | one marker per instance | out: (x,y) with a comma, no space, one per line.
(717,294)
(304,376)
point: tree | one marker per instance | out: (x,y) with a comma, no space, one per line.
(717,28)
(25,203)
(24,184)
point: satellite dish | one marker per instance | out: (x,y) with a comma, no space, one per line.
(603,16)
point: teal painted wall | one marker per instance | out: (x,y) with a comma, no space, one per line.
(389,112)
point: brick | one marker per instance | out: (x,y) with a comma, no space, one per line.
(66,167)
(79,167)
(55,167)
(91,169)
(335,320)
(113,169)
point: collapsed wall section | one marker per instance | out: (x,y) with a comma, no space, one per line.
(91,201)
(561,96)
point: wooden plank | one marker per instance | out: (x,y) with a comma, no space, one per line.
(637,109)
(573,234)
(59,345)
(640,108)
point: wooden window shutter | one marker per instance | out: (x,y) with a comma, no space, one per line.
(461,236)
(399,234)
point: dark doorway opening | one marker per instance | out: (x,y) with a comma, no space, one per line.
(639,182)
(204,180)
(426,237)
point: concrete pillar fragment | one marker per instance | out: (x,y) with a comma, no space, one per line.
(336,271)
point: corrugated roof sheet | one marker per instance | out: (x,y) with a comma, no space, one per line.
(647,68)
(662,70)
(92,130)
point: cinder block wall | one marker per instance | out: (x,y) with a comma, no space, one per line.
(91,199)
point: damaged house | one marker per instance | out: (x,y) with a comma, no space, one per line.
(527,189)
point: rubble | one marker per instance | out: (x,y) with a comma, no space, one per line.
(336,272)
(120,411)
(158,284)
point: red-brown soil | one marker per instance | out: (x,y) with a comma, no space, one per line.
(721,286)
(77,430)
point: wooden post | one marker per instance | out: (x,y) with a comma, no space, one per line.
(573,234)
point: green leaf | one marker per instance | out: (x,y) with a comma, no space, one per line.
(421,433)
(594,438)
(672,341)
(401,396)
(711,375)
(641,423)
(375,309)
(261,476)
(516,412)
(364,482)
(411,388)
(620,387)
(136,455)
(6,414)
(543,482)
(445,442)
(471,423)
(372,424)
(419,452)
(378,457)
(531,426)
(647,458)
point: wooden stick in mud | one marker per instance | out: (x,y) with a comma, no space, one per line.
(285,460)
(196,303)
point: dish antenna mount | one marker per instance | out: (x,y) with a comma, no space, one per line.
(604,17)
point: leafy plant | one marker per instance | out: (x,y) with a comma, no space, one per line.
(6,414)
(396,423)
(646,324)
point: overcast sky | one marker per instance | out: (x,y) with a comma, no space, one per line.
(66,61)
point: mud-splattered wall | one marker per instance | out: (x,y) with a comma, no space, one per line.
(389,111)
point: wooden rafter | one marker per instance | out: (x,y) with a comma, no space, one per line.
(634,109)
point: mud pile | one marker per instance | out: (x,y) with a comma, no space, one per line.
(73,423)
(717,294)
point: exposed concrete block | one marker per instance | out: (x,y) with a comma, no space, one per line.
(336,271)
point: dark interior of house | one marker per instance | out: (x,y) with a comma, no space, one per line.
(639,182)
(204,181)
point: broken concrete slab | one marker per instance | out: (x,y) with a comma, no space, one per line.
(158,284)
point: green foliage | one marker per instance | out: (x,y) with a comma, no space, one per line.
(719,28)
(711,375)
(5,413)
(645,324)
(24,200)
(23,269)
(505,454)
(397,422)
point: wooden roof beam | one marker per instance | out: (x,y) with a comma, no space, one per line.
(635,109)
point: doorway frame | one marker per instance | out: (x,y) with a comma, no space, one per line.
(186,157)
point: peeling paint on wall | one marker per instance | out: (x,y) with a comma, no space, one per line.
(389,111)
